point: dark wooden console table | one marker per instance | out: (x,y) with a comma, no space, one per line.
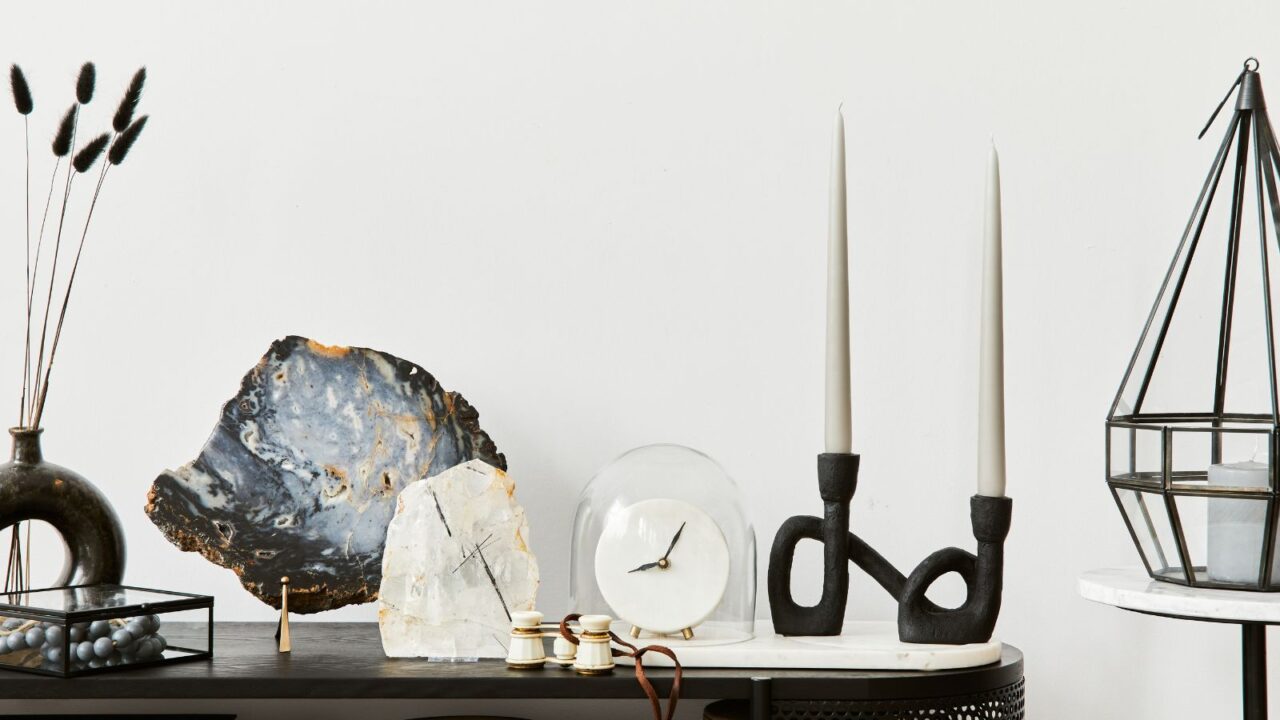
(246,665)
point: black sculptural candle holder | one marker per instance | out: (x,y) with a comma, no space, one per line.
(919,619)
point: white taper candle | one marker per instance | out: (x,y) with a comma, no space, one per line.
(991,358)
(839,432)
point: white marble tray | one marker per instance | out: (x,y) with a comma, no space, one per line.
(863,646)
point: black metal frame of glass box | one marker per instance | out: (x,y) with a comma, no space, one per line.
(65,619)
(1153,491)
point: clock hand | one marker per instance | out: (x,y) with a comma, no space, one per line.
(662,561)
(672,546)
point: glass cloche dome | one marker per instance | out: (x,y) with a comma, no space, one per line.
(661,543)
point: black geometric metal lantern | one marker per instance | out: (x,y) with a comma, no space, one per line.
(1192,436)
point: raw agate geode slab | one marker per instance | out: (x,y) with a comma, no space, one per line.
(300,476)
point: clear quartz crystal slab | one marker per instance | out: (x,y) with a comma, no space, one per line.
(457,564)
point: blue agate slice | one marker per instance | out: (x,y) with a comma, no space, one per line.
(300,476)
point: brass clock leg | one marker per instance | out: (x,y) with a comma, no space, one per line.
(687,633)
(635,632)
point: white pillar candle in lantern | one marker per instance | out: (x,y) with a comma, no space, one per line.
(1236,526)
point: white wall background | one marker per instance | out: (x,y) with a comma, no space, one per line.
(604,224)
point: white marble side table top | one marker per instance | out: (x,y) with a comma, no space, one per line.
(1133,589)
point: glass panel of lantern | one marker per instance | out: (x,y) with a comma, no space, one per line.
(1137,454)
(1148,521)
(1222,484)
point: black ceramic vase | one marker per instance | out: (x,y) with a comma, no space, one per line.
(32,489)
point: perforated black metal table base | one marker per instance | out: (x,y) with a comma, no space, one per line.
(1006,703)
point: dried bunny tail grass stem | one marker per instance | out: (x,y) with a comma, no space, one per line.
(21,90)
(66,132)
(26,274)
(117,148)
(129,103)
(85,83)
(119,151)
(71,280)
(35,273)
(48,202)
(90,153)
(61,146)
(64,142)
(120,148)
(23,103)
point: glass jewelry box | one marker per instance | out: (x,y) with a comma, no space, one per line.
(87,629)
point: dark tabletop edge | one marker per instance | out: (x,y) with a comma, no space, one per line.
(245,666)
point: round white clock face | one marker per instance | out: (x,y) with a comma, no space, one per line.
(662,565)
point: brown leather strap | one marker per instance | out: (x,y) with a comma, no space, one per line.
(630,649)
(648,686)
(564,627)
(636,653)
